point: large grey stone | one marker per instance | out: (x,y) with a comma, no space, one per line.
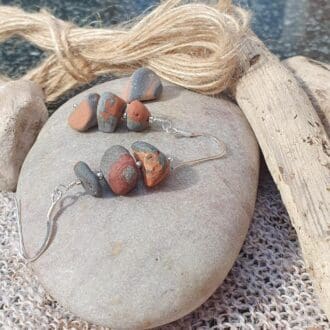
(23,113)
(151,257)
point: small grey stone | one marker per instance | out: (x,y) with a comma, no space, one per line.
(89,179)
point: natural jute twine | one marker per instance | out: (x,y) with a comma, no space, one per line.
(191,44)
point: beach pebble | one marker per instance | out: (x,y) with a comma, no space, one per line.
(155,165)
(144,85)
(23,113)
(88,178)
(110,110)
(150,257)
(83,116)
(119,170)
(137,116)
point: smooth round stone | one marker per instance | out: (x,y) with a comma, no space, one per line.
(83,116)
(155,165)
(143,85)
(110,110)
(119,170)
(148,258)
(88,178)
(137,116)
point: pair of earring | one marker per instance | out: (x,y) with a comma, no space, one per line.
(120,169)
(108,110)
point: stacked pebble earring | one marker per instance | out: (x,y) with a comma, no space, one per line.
(108,110)
(119,169)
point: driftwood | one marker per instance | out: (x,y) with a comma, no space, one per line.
(203,57)
(296,149)
(314,78)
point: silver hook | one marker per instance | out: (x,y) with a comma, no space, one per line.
(167,126)
(57,195)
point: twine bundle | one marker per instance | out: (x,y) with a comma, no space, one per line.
(190,44)
(203,48)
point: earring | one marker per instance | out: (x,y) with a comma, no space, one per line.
(108,110)
(120,170)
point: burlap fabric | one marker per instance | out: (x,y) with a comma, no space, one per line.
(268,287)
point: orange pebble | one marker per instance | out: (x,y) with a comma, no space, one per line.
(137,116)
(83,116)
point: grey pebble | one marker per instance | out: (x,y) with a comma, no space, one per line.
(88,178)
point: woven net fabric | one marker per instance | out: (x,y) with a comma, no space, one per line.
(268,287)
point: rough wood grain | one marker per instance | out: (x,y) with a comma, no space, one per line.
(314,78)
(296,149)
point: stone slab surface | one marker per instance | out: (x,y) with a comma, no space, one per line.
(151,257)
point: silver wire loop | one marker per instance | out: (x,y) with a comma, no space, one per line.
(167,126)
(222,151)
(162,123)
(56,196)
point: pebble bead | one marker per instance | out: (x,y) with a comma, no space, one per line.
(83,116)
(154,164)
(137,116)
(143,85)
(110,109)
(119,170)
(89,179)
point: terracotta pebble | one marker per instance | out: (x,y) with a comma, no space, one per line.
(109,112)
(137,116)
(88,178)
(143,85)
(119,170)
(83,116)
(155,165)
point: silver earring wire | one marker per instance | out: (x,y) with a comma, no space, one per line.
(61,190)
(58,193)
(167,126)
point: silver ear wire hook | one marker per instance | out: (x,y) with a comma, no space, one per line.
(167,126)
(57,195)
(222,148)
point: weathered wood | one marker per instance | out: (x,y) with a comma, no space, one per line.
(296,149)
(314,77)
